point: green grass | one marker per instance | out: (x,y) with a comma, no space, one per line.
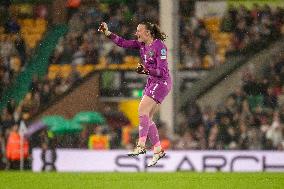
(183,180)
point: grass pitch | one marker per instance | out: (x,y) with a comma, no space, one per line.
(183,180)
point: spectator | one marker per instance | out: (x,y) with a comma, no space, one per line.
(115,56)
(270,100)
(46,94)
(187,142)
(164,138)
(2,151)
(13,149)
(21,48)
(99,140)
(213,137)
(275,132)
(243,135)
(194,115)
(12,26)
(200,136)
(72,7)
(7,121)
(254,139)
(79,57)
(223,134)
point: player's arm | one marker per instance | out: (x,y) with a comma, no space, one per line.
(161,57)
(117,39)
(124,42)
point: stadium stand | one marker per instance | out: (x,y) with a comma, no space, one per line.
(248,119)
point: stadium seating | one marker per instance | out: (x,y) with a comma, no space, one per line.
(223,40)
(32,30)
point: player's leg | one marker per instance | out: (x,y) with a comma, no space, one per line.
(157,91)
(153,131)
(154,139)
(146,106)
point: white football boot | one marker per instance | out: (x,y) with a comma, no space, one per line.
(156,158)
(137,151)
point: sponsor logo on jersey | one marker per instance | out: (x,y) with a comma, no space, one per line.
(163,52)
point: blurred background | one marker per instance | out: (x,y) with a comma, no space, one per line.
(64,86)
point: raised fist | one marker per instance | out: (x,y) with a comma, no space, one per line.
(104,29)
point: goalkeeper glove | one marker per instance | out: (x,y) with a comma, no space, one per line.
(104,29)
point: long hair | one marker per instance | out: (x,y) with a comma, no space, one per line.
(155,31)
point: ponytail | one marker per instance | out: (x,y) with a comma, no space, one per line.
(155,31)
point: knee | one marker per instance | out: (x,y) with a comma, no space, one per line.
(151,118)
(142,111)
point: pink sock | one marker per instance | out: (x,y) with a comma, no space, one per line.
(154,135)
(143,128)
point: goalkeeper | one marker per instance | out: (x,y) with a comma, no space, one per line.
(153,53)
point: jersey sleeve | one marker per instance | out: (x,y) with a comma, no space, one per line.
(161,59)
(133,44)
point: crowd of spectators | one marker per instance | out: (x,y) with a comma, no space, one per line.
(251,118)
(81,42)
(12,58)
(87,46)
(14,55)
(254,25)
(247,27)
(19,33)
(196,42)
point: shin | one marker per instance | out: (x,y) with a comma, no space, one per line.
(143,129)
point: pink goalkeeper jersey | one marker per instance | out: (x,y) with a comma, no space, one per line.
(154,56)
